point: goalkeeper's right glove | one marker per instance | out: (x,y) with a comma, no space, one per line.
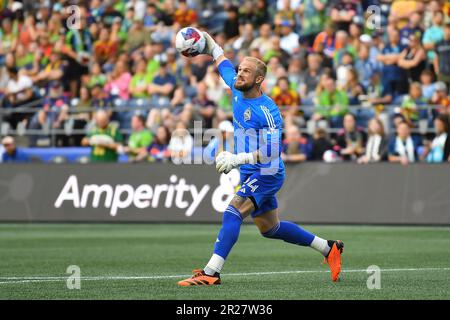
(211,47)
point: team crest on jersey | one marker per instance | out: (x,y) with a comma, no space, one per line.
(247,114)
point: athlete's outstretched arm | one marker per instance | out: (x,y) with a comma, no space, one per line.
(225,67)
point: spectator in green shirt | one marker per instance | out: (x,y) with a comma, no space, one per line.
(140,139)
(331,104)
(104,139)
(140,81)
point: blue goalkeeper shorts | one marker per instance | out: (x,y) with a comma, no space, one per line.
(261,189)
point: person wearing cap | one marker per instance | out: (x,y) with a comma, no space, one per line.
(442,59)
(222,142)
(11,152)
(289,40)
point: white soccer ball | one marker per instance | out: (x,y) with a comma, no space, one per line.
(190,42)
(331,156)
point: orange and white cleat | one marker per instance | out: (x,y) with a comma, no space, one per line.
(200,278)
(333,259)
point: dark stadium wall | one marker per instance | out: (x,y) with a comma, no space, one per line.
(312,193)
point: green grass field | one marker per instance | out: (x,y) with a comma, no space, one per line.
(144,261)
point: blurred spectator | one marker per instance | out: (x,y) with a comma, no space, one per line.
(184,16)
(276,51)
(435,151)
(325,41)
(287,100)
(181,144)
(141,36)
(310,77)
(393,77)
(223,143)
(296,147)
(105,46)
(441,98)
(442,58)
(96,77)
(428,86)
(118,81)
(289,39)
(321,144)
(343,69)
(100,99)
(231,25)
(202,106)
(313,18)
(343,13)
(158,150)
(138,87)
(402,10)
(403,147)
(285,14)
(139,140)
(53,71)
(412,28)
(350,140)
(410,103)
(51,113)
(152,17)
(332,103)
(343,47)
(8,37)
(263,42)
(11,153)
(433,35)
(432,7)
(19,92)
(163,85)
(413,59)
(104,139)
(353,87)
(376,148)
(245,39)
(364,66)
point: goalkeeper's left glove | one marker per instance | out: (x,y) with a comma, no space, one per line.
(211,47)
(226,161)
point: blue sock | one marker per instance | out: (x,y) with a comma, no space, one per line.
(229,233)
(290,232)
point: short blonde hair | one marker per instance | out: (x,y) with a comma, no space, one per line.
(261,67)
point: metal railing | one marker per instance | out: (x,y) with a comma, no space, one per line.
(144,106)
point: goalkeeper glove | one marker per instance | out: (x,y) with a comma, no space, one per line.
(211,47)
(226,161)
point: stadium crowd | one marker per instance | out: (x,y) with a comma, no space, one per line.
(115,75)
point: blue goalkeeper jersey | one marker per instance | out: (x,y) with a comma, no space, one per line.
(257,126)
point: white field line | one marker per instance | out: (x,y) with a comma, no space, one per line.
(15,280)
